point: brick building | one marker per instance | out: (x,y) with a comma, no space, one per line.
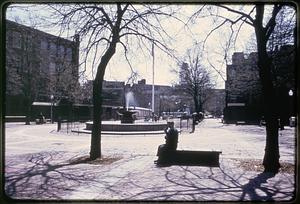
(38,65)
(243,87)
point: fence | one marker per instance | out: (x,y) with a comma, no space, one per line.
(67,126)
(184,125)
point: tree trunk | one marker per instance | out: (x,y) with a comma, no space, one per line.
(200,106)
(271,157)
(28,113)
(97,88)
(196,104)
(95,151)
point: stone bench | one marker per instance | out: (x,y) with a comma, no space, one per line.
(198,158)
(194,158)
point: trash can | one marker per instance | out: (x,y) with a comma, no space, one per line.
(58,124)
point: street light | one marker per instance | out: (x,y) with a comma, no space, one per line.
(291,93)
(51,112)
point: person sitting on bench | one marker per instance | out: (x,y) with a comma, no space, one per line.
(167,150)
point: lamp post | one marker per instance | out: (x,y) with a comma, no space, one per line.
(291,93)
(291,111)
(51,111)
(177,105)
(150,110)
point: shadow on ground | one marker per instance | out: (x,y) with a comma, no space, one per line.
(43,177)
(215,185)
(46,176)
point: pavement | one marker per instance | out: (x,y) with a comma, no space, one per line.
(43,164)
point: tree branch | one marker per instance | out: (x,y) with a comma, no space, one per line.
(248,16)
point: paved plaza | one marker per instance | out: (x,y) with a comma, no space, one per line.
(43,164)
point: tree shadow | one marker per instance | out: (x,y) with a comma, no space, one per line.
(255,184)
(45,176)
(49,176)
(214,184)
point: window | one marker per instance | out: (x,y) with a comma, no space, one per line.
(17,39)
(44,45)
(52,48)
(69,54)
(52,68)
(17,63)
(28,45)
(59,67)
(232,73)
(61,51)
(8,39)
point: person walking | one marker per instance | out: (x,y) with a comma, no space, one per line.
(194,122)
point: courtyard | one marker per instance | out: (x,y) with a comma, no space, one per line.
(43,164)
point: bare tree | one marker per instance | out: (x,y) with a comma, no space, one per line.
(106,26)
(264,22)
(285,30)
(195,79)
(64,82)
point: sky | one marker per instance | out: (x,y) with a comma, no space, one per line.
(183,38)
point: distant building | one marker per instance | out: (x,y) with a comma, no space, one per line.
(38,65)
(166,98)
(243,88)
(112,92)
(215,103)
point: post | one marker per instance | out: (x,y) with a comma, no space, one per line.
(187,123)
(59,124)
(291,93)
(180,120)
(153,78)
(51,111)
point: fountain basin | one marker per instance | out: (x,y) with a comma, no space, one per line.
(126,115)
(128,127)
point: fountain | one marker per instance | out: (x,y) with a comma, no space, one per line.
(128,125)
(129,99)
(125,113)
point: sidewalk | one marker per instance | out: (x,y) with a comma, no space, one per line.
(44,164)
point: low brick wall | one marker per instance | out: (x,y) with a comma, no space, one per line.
(129,127)
(19,118)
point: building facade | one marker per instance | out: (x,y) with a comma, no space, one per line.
(40,67)
(243,87)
